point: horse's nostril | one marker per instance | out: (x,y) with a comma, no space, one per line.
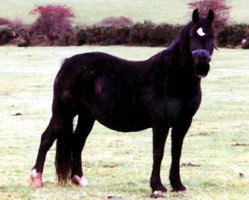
(201,52)
(201,55)
(205,54)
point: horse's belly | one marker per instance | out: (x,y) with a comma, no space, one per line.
(124,126)
(120,114)
(123,120)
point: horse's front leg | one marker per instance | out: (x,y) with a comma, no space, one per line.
(160,133)
(178,133)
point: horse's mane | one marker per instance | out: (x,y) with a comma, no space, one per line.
(182,35)
(185,43)
(180,45)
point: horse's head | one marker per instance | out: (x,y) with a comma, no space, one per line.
(201,42)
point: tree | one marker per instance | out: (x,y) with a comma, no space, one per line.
(220,8)
(4,21)
(52,21)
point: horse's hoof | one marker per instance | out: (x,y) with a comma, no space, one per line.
(157,194)
(179,188)
(159,191)
(36,179)
(81,181)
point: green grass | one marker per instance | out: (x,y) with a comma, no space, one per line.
(89,12)
(116,164)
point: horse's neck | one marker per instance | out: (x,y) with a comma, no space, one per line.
(181,47)
(175,67)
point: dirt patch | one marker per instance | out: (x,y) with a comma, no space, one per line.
(17,114)
(241,175)
(240,145)
(190,165)
(109,166)
(112,197)
(204,134)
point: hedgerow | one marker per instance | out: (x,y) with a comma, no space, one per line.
(54,27)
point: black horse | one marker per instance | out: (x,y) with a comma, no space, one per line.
(162,92)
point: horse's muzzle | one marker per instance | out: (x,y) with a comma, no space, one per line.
(201,58)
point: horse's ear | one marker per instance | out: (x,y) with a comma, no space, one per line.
(195,16)
(210,16)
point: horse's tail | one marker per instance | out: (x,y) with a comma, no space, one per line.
(64,94)
(63,126)
(63,155)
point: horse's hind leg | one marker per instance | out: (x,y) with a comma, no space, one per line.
(57,127)
(84,126)
(47,140)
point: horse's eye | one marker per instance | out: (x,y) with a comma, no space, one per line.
(208,37)
(195,36)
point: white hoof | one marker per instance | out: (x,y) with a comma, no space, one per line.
(81,181)
(36,179)
(158,192)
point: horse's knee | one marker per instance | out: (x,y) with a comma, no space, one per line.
(47,139)
(46,143)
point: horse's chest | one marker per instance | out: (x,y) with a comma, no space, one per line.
(175,109)
(171,109)
(168,109)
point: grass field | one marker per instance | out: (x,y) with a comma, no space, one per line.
(89,12)
(215,162)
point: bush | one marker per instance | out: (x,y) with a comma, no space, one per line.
(245,40)
(141,34)
(15,25)
(110,35)
(245,44)
(6,34)
(231,35)
(14,32)
(4,21)
(220,8)
(150,34)
(52,21)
